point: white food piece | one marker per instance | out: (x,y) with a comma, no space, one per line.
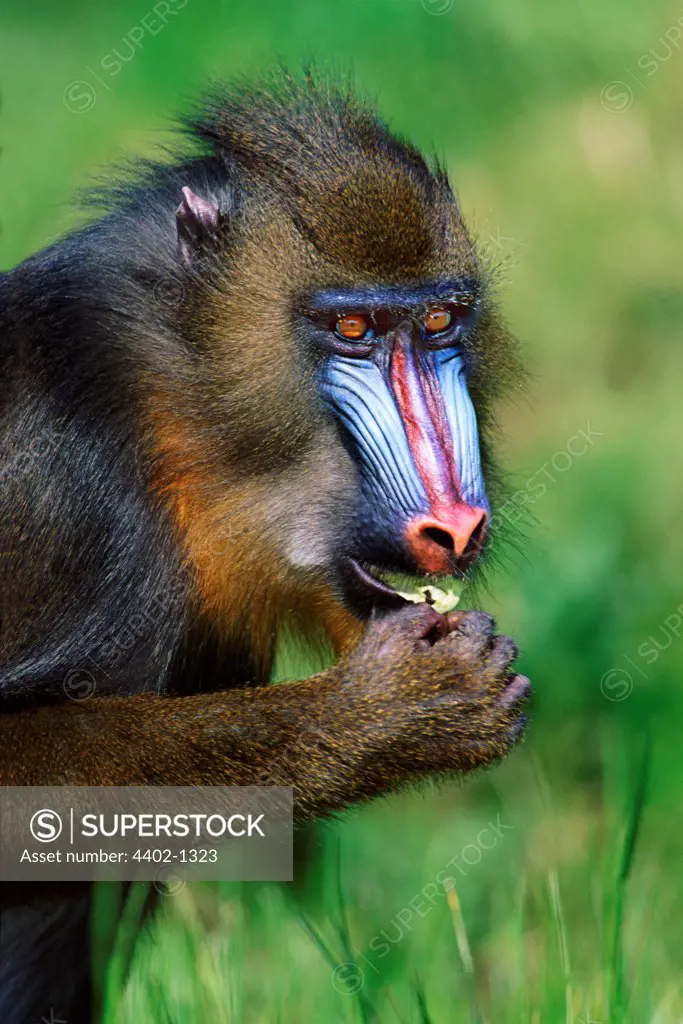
(441,601)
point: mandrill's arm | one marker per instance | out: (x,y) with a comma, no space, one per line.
(423,694)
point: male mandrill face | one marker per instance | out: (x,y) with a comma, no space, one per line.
(356,352)
(398,319)
(393,375)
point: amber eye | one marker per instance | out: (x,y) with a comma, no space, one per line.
(354,326)
(437,320)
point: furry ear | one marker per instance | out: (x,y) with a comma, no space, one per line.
(198,224)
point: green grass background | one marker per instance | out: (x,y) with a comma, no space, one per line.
(574,186)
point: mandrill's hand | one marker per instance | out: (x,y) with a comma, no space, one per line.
(423,694)
(434,693)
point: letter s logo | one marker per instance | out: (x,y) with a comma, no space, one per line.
(46,826)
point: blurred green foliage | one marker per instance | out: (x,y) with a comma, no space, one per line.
(560,124)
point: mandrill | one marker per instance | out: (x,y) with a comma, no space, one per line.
(254,396)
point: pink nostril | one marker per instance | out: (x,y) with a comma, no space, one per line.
(436,542)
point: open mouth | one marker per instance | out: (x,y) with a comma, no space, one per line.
(375,588)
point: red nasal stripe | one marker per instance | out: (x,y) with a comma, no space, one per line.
(418,396)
